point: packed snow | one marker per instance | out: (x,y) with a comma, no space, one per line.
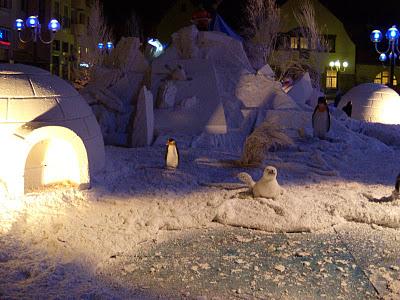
(60,242)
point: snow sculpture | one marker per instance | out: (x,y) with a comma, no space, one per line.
(302,90)
(257,91)
(127,56)
(266,71)
(206,114)
(113,90)
(49,133)
(166,95)
(373,102)
(143,126)
(185,41)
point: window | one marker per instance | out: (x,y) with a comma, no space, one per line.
(74,16)
(23,5)
(56,10)
(330,42)
(4,35)
(56,45)
(82,19)
(294,42)
(282,41)
(66,22)
(383,78)
(6,4)
(65,47)
(55,60)
(303,43)
(331,79)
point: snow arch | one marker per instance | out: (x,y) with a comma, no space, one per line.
(43,157)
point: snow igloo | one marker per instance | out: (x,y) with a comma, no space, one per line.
(49,135)
(373,102)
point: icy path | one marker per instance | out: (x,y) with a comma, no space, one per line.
(61,242)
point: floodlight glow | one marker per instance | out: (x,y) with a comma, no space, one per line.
(391,55)
(159,48)
(109,45)
(392,33)
(376,36)
(54,25)
(32,22)
(19,24)
(84,65)
(100,46)
(382,57)
(337,64)
(331,64)
(345,64)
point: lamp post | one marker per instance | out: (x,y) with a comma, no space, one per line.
(36,33)
(107,46)
(392,51)
(339,67)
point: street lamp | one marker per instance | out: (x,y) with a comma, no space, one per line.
(392,52)
(340,67)
(36,33)
(33,23)
(107,46)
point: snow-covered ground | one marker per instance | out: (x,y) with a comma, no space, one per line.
(59,243)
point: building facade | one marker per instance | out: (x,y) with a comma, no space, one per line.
(61,56)
(338,46)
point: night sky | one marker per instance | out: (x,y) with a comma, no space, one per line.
(359,17)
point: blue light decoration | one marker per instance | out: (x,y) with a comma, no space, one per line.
(54,25)
(382,57)
(100,46)
(391,55)
(109,45)
(32,22)
(392,34)
(19,24)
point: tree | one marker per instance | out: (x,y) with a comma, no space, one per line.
(262,28)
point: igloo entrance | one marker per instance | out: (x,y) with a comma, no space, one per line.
(57,157)
(50,163)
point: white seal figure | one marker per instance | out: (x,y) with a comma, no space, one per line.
(171,154)
(266,187)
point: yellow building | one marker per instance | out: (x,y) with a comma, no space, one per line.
(340,46)
(73,16)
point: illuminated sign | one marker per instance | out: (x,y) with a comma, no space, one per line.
(4,37)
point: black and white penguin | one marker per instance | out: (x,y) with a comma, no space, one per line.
(171,154)
(348,108)
(396,192)
(321,119)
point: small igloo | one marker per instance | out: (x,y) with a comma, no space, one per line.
(373,102)
(49,135)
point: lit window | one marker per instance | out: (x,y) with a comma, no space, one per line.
(294,42)
(303,43)
(331,79)
(383,78)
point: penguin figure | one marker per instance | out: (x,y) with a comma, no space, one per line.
(171,154)
(348,108)
(321,119)
(396,192)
